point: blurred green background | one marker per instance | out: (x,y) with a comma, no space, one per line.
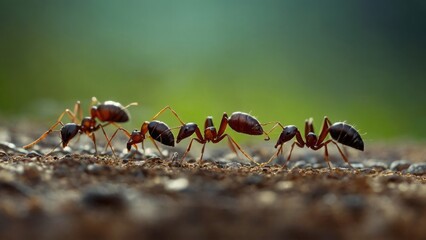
(362,61)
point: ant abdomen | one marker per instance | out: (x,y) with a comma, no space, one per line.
(245,123)
(68,131)
(160,132)
(346,135)
(111,111)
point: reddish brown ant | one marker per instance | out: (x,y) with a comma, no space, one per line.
(109,111)
(158,131)
(341,132)
(238,121)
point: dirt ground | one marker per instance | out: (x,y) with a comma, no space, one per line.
(78,195)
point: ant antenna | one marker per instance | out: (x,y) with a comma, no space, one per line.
(131,104)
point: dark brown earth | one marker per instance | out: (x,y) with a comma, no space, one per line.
(77,195)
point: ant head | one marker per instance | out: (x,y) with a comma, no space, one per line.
(135,138)
(186,131)
(68,131)
(287,134)
(87,123)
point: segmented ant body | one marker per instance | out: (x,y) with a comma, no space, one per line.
(340,132)
(158,131)
(238,121)
(110,112)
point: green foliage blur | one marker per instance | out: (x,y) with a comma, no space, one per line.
(362,61)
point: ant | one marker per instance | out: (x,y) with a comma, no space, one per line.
(109,111)
(158,131)
(238,121)
(341,132)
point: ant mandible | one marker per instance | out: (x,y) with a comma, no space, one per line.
(109,111)
(238,121)
(158,131)
(341,132)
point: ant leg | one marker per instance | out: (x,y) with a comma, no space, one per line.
(202,153)
(239,148)
(223,124)
(326,156)
(272,129)
(143,147)
(231,146)
(156,146)
(276,124)
(44,135)
(115,133)
(173,112)
(189,148)
(279,150)
(341,153)
(51,151)
(77,112)
(291,151)
(93,137)
(324,131)
(108,141)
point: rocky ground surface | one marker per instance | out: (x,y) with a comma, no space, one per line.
(75,194)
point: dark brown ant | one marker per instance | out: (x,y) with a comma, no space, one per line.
(341,132)
(158,131)
(238,121)
(109,111)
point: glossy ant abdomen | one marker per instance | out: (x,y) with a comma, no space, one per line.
(346,135)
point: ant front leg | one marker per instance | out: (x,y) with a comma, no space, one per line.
(278,152)
(301,145)
(189,147)
(277,124)
(93,137)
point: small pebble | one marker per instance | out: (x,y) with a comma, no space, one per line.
(417,169)
(33,154)
(357,165)
(399,165)
(376,164)
(7,146)
(299,164)
(176,184)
